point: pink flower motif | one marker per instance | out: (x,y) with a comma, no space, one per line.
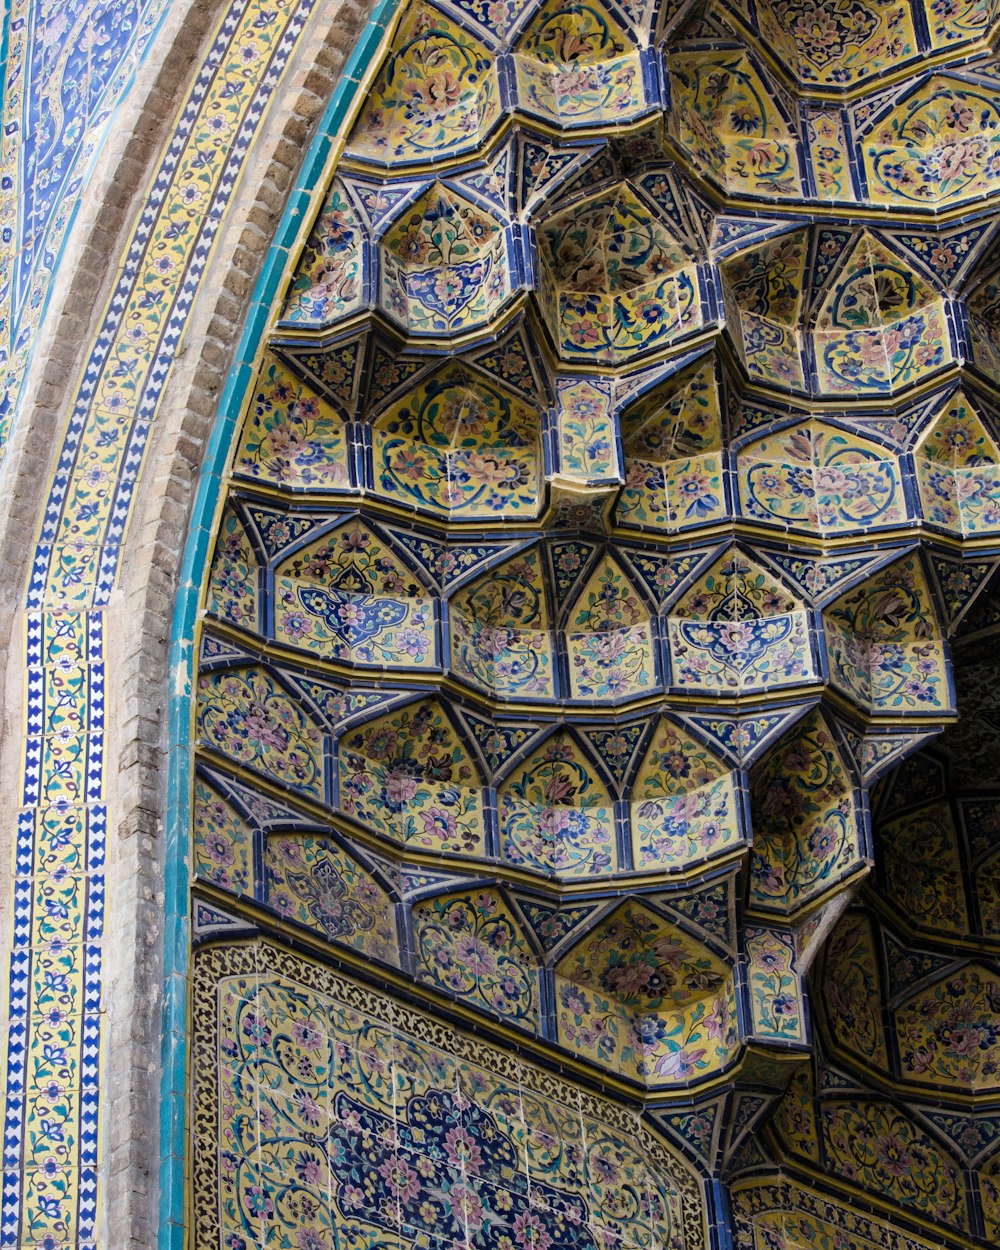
(307,1035)
(438,824)
(475,955)
(400,789)
(400,1178)
(892,1153)
(351,1198)
(609,647)
(462,1149)
(261,730)
(965,1041)
(530,1232)
(718,1020)
(467,1206)
(681,1064)
(220,849)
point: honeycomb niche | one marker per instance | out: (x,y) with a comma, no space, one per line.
(611,519)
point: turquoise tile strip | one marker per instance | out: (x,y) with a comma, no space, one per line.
(55,993)
(173,1106)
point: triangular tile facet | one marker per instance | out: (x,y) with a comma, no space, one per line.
(380,201)
(211,921)
(260,811)
(328,700)
(358,702)
(745,1111)
(499,743)
(542,166)
(959,583)
(278,530)
(617,747)
(445,563)
(696,1131)
(512,363)
(569,563)
(389,373)
(335,372)
(729,233)
(821,578)
(711,909)
(663,574)
(415,882)
(969,1135)
(744,738)
(552,924)
(906,966)
(491,183)
(886,750)
(219,652)
(946,253)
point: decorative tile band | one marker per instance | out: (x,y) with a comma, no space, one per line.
(58,103)
(53,1059)
(630,270)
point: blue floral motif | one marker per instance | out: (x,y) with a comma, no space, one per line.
(353,618)
(349,598)
(451,1173)
(740,644)
(738,628)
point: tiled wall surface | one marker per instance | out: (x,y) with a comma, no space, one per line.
(607,525)
(67,65)
(609,512)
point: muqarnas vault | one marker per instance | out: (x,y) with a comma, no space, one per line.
(609,535)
